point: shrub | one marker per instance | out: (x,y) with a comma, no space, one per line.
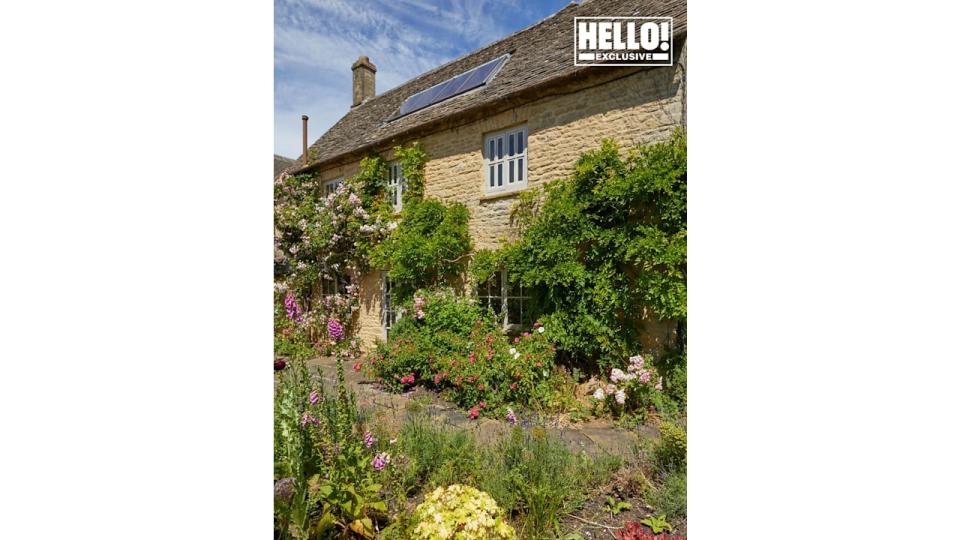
(460,512)
(671,450)
(448,343)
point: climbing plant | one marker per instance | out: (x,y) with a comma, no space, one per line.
(428,249)
(600,246)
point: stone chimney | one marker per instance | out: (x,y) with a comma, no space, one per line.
(364,80)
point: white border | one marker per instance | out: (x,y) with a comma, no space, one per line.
(575,63)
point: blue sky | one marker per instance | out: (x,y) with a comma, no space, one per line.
(316,41)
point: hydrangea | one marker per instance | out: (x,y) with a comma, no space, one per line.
(598,395)
(462,513)
(620,396)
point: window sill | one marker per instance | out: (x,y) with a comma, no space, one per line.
(501,194)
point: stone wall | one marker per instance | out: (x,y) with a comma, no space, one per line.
(639,107)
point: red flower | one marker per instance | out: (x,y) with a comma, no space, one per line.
(483,405)
(356,367)
(474,413)
(480,388)
(513,386)
(436,379)
(539,364)
(279,364)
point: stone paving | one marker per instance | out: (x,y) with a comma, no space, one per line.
(595,437)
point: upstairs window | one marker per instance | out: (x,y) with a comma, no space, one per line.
(505,299)
(330,186)
(505,160)
(396,185)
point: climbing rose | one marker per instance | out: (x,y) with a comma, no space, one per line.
(356,367)
(474,413)
(279,364)
(540,329)
(334,330)
(407,379)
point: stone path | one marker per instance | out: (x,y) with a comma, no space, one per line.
(595,437)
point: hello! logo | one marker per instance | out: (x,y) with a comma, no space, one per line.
(623,41)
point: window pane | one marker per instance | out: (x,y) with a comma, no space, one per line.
(519,142)
(511,171)
(492,176)
(511,144)
(496,303)
(499,147)
(514,311)
(520,170)
(491,154)
(499,174)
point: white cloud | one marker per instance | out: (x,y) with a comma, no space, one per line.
(316,42)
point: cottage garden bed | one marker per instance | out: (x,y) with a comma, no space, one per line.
(340,473)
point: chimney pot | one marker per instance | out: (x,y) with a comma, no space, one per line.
(364,80)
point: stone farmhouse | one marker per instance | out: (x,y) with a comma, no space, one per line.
(525,126)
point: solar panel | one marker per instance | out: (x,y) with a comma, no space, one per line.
(467,80)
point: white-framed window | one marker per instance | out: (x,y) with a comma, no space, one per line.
(396,185)
(505,160)
(332,283)
(330,186)
(389,314)
(507,300)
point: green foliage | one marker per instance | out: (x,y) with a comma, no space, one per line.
(532,476)
(324,478)
(462,513)
(427,249)
(459,348)
(484,264)
(412,161)
(671,450)
(657,524)
(536,476)
(604,243)
(615,506)
(670,497)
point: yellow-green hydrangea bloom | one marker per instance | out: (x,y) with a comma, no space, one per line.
(459,512)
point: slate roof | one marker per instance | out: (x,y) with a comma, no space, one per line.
(281,164)
(541,55)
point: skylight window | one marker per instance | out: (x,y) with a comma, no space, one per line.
(467,80)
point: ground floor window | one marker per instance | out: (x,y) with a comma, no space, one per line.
(332,283)
(388,312)
(507,300)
